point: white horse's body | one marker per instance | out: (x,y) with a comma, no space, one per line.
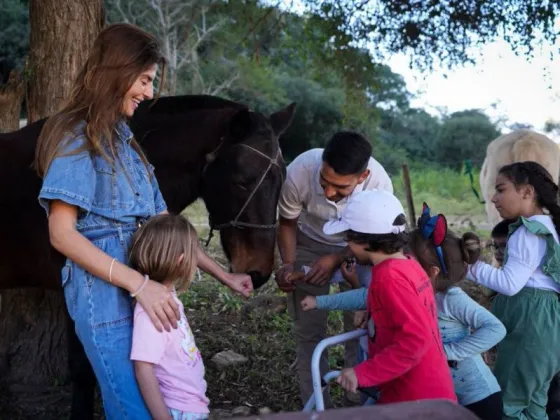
(517,146)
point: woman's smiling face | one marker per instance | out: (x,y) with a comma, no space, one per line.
(141,89)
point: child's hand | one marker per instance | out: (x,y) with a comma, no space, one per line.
(360,319)
(348,270)
(308,303)
(348,380)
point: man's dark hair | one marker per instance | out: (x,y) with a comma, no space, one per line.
(501,229)
(347,153)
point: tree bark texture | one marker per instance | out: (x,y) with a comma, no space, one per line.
(62,33)
(11,98)
(33,343)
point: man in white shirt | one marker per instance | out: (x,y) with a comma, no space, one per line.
(318,185)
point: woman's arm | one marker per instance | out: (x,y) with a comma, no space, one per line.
(149,388)
(240,283)
(353,300)
(64,237)
(487,329)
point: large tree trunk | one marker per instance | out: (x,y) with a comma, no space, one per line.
(33,345)
(61,36)
(11,98)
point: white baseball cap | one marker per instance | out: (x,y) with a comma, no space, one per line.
(371,212)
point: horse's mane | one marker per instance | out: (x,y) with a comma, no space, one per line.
(183,103)
(168,111)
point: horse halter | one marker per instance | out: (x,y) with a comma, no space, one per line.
(236,223)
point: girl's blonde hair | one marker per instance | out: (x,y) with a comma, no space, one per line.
(157,248)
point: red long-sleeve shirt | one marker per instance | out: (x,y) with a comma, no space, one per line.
(406,358)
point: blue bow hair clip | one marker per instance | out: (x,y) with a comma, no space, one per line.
(435,229)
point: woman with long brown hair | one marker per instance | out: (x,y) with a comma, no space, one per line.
(97,189)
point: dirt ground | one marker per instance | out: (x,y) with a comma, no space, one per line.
(258,329)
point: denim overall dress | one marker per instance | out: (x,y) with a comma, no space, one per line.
(111,202)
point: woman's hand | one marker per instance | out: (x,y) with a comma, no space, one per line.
(158,302)
(240,283)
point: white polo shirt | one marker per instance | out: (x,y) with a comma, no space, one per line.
(302,195)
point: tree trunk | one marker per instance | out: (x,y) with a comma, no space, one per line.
(33,348)
(11,98)
(61,36)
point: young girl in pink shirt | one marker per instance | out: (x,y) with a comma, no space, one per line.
(168,365)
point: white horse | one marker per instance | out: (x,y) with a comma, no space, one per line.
(517,146)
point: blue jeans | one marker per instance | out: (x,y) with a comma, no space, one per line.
(103,317)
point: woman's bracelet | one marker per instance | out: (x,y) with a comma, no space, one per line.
(146,278)
(111,270)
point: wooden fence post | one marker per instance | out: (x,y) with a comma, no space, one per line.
(408,192)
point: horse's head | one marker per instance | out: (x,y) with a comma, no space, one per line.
(241,185)
(208,147)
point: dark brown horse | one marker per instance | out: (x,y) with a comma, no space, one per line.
(202,147)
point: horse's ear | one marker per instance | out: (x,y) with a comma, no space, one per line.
(240,125)
(281,120)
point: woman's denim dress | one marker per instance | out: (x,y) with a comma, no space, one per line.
(111,203)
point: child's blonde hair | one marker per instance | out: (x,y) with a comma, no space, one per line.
(157,248)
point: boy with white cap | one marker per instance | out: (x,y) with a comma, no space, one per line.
(406,358)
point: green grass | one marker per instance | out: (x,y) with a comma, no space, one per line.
(444,190)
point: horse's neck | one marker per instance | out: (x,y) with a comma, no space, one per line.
(201,134)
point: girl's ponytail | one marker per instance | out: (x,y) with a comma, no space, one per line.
(471,248)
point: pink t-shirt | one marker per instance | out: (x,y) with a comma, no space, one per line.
(179,367)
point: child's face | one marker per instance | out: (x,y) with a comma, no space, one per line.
(498,247)
(361,255)
(512,202)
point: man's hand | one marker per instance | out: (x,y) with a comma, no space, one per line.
(240,283)
(360,319)
(348,380)
(283,278)
(322,270)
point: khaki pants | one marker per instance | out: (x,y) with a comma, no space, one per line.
(311,327)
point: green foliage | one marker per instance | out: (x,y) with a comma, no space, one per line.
(427,140)
(14,36)
(464,135)
(414,130)
(266,57)
(445,190)
(444,31)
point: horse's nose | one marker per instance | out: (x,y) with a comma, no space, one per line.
(258,279)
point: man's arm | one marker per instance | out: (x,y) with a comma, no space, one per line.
(287,231)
